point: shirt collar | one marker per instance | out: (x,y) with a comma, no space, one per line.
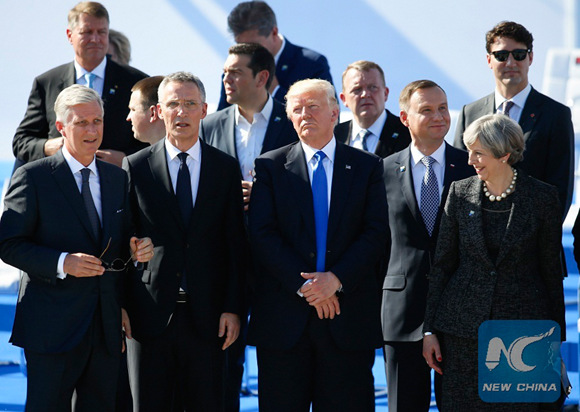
(438,155)
(194,151)
(376,128)
(519,99)
(76,166)
(98,71)
(277,56)
(328,150)
(265,113)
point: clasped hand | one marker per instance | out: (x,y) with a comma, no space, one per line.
(320,292)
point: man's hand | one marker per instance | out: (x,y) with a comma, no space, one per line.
(432,353)
(323,285)
(230,327)
(329,308)
(125,326)
(111,156)
(51,146)
(141,249)
(81,265)
(246,193)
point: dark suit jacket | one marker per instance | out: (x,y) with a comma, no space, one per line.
(283,240)
(295,63)
(209,252)
(467,288)
(394,136)
(549,135)
(44,216)
(219,130)
(38,124)
(411,248)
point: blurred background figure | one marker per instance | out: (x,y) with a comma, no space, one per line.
(119,47)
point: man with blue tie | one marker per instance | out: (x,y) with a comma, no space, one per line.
(185,305)
(317,224)
(67,226)
(416,182)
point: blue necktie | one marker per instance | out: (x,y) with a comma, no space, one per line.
(364,135)
(429,195)
(183,189)
(320,198)
(90,204)
(90,77)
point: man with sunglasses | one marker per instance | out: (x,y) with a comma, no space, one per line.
(547,124)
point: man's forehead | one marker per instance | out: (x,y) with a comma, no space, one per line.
(86,20)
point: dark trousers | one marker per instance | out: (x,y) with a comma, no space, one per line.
(236,356)
(315,371)
(89,370)
(177,371)
(408,377)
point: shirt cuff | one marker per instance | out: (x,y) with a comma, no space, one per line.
(60,267)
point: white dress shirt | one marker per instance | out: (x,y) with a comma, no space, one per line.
(193,164)
(250,137)
(99,72)
(519,101)
(95,186)
(418,169)
(372,139)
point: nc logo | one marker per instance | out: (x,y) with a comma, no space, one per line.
(514,353)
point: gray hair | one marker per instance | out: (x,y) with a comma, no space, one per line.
(72,96)
(92,8)
(499,134)
(303,86)
(252,15)
(182,77)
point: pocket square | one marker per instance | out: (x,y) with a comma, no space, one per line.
(120,211)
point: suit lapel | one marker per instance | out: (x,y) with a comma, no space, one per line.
(405,175)
(207,174)
(229,131)
(341,180)
(107,201)
(299,183)
(274,128)
(387,134)
(471,209)
(68,185)
(530,113)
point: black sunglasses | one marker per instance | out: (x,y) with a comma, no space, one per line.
(502,55)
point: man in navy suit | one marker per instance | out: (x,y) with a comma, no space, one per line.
(373,128)
(413,231)
(255,22)
(318,227)
(67,226)
(547,124)
(88,33)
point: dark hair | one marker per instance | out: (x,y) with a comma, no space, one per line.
(260,59)
(252,15)
(148,88)
(411,88)
(510,30)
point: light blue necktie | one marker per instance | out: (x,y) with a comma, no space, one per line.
(90,77)
(364,135)
(429,195)
(320,198)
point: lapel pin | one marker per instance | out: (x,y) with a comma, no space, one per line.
(471,213)
(284,67)
(347,167)
(395,135)
(532,115)
(112,91)
(277,118)
(451,165)
(402,168)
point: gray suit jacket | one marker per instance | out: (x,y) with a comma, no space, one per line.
(549,136)
(467,288)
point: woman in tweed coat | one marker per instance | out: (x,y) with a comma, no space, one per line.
(497,257)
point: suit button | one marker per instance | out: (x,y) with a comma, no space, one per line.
(178,274)
(187,245)
(312,255)
(493,273)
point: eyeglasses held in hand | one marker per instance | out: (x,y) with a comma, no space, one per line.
(117,265)
(502,55)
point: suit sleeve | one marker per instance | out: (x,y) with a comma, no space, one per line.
(446,258)
(459,129)
(364,254)
(32,133)
(276,256)
(17,228)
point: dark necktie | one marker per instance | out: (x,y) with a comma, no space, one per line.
(507,106)
(90,77)
(429,195)
(364,134)
(183,189)
(89,204)
(320,198)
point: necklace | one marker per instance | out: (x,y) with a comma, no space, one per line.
(505,194)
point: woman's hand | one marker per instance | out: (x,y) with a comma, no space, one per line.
(432,353)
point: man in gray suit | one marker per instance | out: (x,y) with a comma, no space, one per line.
(414,215)
(547,124)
